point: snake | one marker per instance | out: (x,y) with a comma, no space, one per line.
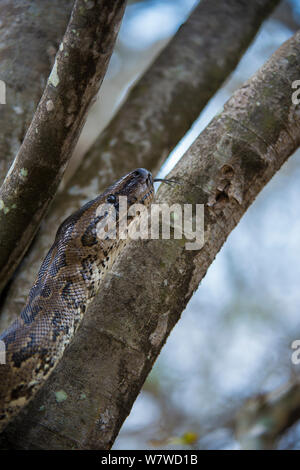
(69,278)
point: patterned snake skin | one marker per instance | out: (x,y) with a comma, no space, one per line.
(67,281)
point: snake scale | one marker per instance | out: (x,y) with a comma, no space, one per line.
(67,281)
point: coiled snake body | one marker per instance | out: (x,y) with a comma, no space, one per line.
(67,281)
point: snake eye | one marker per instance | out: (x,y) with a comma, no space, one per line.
(111,198)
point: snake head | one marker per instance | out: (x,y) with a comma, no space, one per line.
(137,186)
(81,229)
(134,189)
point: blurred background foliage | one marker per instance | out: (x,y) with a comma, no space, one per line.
(233,341)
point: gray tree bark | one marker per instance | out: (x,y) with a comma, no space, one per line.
(123,332)
(28,44)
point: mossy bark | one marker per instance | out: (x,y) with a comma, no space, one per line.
(142,299)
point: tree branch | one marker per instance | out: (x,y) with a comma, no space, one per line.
(263,419)
(123,332)
(78,71)
(158,112)
(25,64)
